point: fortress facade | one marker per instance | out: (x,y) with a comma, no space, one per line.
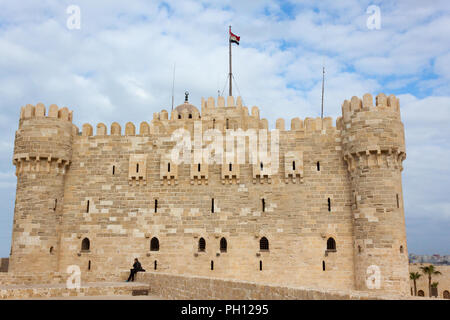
(330,214)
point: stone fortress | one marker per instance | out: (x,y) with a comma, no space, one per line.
(331,216)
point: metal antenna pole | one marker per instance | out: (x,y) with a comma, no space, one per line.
(323,82)
(173,84)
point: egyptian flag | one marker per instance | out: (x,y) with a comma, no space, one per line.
(234,38)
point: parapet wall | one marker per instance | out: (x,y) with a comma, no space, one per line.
(182,287)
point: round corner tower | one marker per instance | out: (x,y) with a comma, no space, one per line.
(374,148)
(42,153)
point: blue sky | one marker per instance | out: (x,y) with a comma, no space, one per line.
(118,67)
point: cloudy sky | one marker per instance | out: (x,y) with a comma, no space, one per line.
(118,67)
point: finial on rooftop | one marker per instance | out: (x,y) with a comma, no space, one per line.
(186,96)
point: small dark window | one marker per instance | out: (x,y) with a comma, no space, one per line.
(331,244)
(168,167)
(214,123)
(230,166)
(262,166)
(263,203)
(156,205)
(85,244)
(356,202)
(318,166)
(264,244)
(359,249)
(420,293)
(212,205)
(227,123)
(212,265)
(89,265)
(155,265)
(51,250)
(401,249)
(260,265)
(398,201)
(293,165)
(329,204)
(223,245)
(179,116)
(56,203)
(137,167)
(323,265)
(114,170)
(198,167)
(87,206)
(201,245)
(154,244)
(190,115)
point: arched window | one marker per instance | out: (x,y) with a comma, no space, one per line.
(446,294)
(223,245)
(154,244)
(420,293)
(331,244)
(264,244)
(85,244)
(201,245)
(190,115)
(179,116)
(401,249)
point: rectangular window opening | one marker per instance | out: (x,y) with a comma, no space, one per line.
(293,165)
(263,202)
(212,205)
(329,204)
(87,207)
(156,205)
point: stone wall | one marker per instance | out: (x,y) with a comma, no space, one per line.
(100,200)
(422,283)
(185,287)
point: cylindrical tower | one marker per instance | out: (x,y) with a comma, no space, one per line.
(374,148)
(42,154)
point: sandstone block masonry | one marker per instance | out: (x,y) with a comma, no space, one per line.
(330,215)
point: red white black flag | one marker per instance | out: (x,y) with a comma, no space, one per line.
(234,38)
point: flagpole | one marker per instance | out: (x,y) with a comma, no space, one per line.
(230,75)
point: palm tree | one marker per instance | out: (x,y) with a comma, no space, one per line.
(414,276)
(430,271)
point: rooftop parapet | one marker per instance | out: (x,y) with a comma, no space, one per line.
(38,111)
(382,103)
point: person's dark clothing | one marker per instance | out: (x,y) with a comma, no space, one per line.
(136,268)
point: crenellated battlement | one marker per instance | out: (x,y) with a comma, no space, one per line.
(382,103)
(38,111)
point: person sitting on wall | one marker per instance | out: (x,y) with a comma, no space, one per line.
(136,268)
